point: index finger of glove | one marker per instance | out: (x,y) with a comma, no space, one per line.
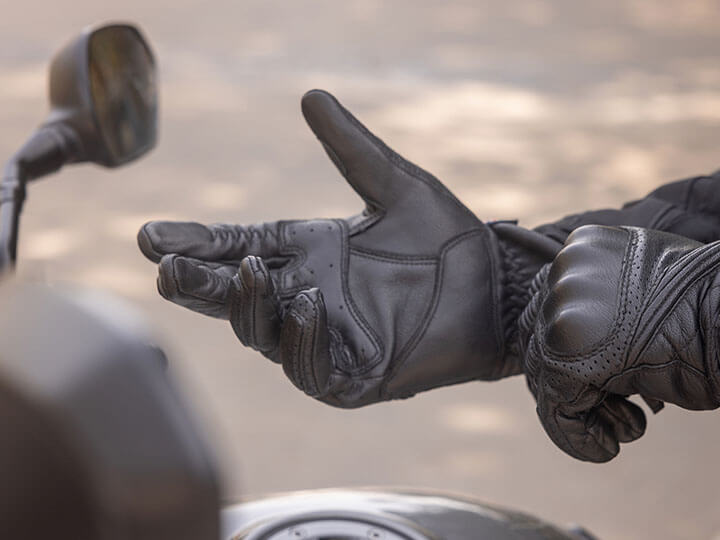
(215,242)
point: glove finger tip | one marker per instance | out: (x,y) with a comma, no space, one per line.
(167,280)
(146,244)
(626,418)
(586,437)
(316,100)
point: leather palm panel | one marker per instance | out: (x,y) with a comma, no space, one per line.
(439,354)
(402,291)
(321,256)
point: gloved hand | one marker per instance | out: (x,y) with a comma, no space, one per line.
(621,311)
(409,295)
(412,294)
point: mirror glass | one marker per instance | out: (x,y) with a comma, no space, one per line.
(123,88)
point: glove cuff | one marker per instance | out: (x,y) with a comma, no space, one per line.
(522,254)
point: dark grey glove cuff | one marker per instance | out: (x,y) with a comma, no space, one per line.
(522,253)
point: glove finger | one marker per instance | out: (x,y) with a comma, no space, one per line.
(626,418)
(594,435)
(305,343)
(255,308)
(216,242)
(197,285)
(585,436)
(378,174)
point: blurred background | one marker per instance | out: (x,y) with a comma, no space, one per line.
(527,109)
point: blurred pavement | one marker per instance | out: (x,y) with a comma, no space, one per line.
(527,109)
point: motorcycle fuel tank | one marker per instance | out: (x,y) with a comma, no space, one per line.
(383,515)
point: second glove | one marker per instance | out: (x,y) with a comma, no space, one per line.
(621,311)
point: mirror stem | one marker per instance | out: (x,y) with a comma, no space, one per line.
(12,196)
(48,149)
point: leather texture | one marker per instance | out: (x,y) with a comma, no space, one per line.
(413,293)
(621,311)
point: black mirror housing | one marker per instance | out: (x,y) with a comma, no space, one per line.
(103,95)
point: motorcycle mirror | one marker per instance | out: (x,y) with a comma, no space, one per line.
(103,91)
(103,98)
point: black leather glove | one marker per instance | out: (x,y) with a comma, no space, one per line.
(412,294)
(409,295)
(621,311)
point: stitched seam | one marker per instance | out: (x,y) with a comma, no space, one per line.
(407,350)
(710,360)
(406,262)
(664,307)
(676,354)
(364,224)
(253,307)
(344,265)
(295,356)
(352,307)
(640,367)
(298,255)
(309,364)
(237,234)
(390,257)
